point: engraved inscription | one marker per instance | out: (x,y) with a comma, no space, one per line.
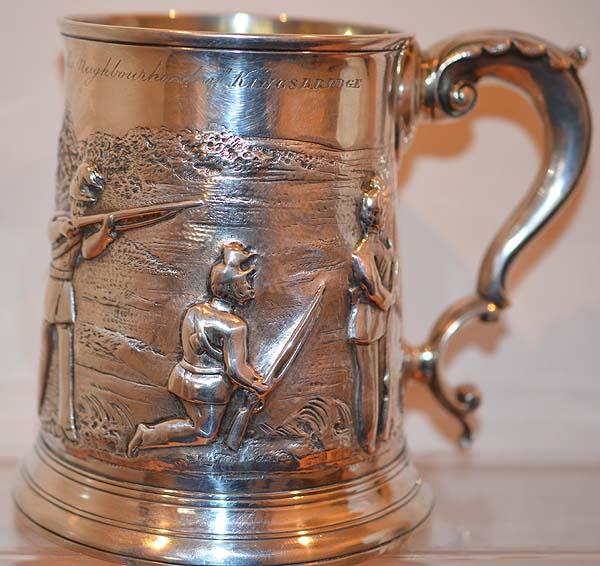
(117,69)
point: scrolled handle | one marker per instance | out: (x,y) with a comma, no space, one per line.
(548,75)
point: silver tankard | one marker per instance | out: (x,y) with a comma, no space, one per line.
(222,364)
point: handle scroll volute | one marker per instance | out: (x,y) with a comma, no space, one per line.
(548,76)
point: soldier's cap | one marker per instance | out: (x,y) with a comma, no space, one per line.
(86,184)
(375,183)
(235,253)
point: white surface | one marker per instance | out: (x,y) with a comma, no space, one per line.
(538,369)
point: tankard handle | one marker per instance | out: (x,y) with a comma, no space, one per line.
(548,76)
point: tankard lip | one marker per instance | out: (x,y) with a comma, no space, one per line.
(224,31)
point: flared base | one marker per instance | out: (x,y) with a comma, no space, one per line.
(338,523)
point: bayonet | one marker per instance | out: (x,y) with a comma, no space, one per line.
(253,403)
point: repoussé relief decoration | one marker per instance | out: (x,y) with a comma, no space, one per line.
(215,361)
(68,243)
(79,234)
(373,294)
(213,365)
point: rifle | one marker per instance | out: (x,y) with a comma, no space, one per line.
(139,216)
(288,353)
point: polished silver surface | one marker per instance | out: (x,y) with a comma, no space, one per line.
(223,365)
(548,76)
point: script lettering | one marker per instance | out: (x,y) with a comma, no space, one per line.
(117,69)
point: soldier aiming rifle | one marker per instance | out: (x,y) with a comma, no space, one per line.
(68,243)
(73,237)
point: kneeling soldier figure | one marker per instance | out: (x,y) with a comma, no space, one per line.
(215,359)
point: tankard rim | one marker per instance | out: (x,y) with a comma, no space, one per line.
(239,30)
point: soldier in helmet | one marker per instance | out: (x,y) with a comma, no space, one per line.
(215,359)
(374,274)
(68,243)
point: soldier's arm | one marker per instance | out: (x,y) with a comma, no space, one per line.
(63,246)
(63,235)
(94,244)
(235,354)
(55,228)
(367,276)
(61,226)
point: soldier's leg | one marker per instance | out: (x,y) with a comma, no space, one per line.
(45,356)
(207,419)
(66,413)
(161,434)
(367,394)
(387,393)
(201,427)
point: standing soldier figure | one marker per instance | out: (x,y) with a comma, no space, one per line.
(374,272)
(68,243)
(214,362)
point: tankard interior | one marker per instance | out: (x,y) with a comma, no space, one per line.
(161,28)
(233,23)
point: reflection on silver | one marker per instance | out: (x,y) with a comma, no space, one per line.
(206,405)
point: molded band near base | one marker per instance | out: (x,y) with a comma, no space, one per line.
(338,522)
